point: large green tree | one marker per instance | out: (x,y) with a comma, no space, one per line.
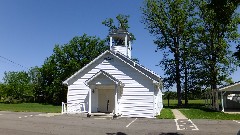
(17,85)
(64,62)
(122,23)
(172,23)
(217,30)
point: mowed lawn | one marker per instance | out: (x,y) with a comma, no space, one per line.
(166,112)
(195,110)
(205,113)
(30,107)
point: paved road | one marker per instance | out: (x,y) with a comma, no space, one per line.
(12,123)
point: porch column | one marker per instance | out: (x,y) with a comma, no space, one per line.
(90,101)
(222,101)
(130,49)
(126,45)
(116,96)
(111,43)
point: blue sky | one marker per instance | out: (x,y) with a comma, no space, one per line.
(29,29)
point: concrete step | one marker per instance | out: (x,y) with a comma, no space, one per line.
(102,114)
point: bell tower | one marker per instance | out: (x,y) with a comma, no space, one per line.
(120,41)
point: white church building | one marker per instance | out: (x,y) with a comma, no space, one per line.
(114,83)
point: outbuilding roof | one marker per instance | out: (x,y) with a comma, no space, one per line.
(227,87)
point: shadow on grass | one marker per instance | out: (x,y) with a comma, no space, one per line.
(174,106)
(191,106)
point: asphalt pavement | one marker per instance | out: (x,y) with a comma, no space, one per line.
(19,123)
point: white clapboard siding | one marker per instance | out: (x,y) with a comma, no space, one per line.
(93,71)
(137,93)
(128,81)
(139,89)
(132,89)
(115,72)
(138,111)
(137,106)
(77,86)
(142,106)
(137,97)
(121,49)
(78,95)
(137,115)
(138,102)
(105,67)
(78,92)
(133,86)
(79,82)
(87,76)
(74,101)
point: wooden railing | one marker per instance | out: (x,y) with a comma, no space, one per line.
(73,107)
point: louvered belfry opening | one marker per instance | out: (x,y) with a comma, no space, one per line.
(120,41)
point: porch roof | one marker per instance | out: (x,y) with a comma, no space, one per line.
(107,75)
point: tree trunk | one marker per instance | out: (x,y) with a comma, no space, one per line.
(214,90)
(186,84)
(214,74)
(185,75)
(168,97)
(178,78)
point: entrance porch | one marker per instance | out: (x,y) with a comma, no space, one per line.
(104,94)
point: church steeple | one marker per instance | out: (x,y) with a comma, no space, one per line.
(120,41)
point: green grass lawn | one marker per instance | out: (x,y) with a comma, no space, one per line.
(30,107)
(166,113)
(195,110)
(208,114)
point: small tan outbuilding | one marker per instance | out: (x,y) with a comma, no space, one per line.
(230,97)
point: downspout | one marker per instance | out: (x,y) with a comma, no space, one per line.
(154,104)
(90,102)
(155,88)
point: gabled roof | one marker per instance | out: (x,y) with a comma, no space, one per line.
(223,88)
(101,72)
(148,73)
